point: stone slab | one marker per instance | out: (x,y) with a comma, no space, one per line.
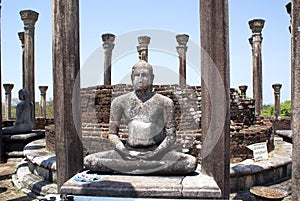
(90,198)
(287,135)
(276,168)
(24,136)
(198,186)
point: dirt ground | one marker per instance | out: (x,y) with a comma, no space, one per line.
(9,192)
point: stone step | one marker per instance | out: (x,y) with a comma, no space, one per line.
(14,154)
(32,184)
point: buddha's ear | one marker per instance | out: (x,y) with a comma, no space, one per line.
(152,77)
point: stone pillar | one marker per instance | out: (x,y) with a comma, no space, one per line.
(43,90)
(2,158)
(21,37)
(243,89)
(289,10)
(215,90)
(29,18)
(182,40)
(277,88)
(8,88)
(142,48)
(295,98)
(256,26)
(66,66)
(108,45)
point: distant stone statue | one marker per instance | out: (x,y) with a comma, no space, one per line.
(151,133)
(24,109)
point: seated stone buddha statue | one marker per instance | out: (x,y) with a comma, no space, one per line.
(151,133)
(24,109)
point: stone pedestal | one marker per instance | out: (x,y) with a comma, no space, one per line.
(8,88)
(295,98)
(277,88)
(256,26)
(215,90)
(21,37)
(198,186)
(243,89)
(142,48)
(67,103)
(29,18)
(182,40)
(108,45)
(43,102)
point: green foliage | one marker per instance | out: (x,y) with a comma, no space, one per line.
(268,110)
(285,109)
(50,109)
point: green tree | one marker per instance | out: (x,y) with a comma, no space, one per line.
(285,109)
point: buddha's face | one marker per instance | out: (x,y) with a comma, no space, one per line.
(142,79)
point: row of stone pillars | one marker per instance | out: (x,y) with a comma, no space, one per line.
(142,49)
(214,40)
(276,87)
(8,89)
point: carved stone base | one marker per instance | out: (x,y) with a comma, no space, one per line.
(198,186)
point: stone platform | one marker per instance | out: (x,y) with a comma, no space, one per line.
(15,143)
(34,173)
(197,186)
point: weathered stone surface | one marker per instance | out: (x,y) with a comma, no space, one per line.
(182,40)
(43,90)
(8,88)
(215,81)
(29,18)
(142,48)
(196,186)
(295,98)
(24,110)
(66,66)
(41,162)
(249,173)
(108,45)
(256,26)
(277,88)
(151,133)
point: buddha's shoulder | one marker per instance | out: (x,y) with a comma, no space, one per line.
(124,97)
(163,98)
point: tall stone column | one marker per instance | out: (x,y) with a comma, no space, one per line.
(243,89)
(215,90)
(142,48)
(66,66)
(21,37)
(8,88)
(295,98)
(108,45)
(2,158)
(277,88)
(256,26)
(29,18)
(43,90)
(182,40)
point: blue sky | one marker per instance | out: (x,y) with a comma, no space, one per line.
(161,20)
